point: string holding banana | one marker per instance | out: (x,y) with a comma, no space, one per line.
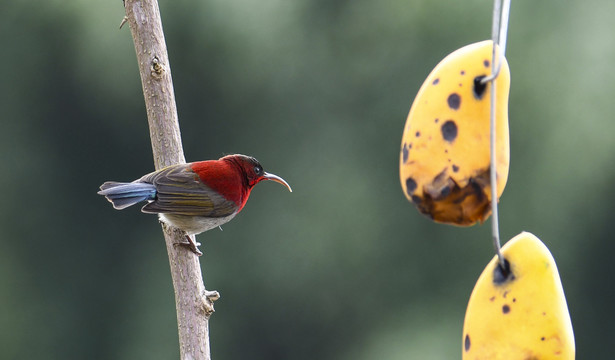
(445,150)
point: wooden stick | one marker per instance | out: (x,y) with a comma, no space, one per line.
(193,302)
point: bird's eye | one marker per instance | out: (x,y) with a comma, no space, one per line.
(258,170)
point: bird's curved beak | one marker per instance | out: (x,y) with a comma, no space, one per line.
(268,176)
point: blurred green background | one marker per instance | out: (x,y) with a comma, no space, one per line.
(318,91)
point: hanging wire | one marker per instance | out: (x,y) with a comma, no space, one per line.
(498,35)
(504,26)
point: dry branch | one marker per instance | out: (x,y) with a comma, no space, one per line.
(194,303)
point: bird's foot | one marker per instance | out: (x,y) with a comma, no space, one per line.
(193,245)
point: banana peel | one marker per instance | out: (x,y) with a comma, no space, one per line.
(520,313)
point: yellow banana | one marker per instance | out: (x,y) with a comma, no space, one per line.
(520,316)
(445,152)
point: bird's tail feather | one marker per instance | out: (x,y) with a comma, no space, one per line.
(123,195)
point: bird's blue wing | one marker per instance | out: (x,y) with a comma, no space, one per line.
(179,190)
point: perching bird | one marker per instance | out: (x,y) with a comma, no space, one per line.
(193,197)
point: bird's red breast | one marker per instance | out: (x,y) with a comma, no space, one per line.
(225,178)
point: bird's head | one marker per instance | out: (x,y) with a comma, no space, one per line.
(253,171)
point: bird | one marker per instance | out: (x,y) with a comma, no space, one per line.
(193,197)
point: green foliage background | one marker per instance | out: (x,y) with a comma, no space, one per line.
(342,268)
